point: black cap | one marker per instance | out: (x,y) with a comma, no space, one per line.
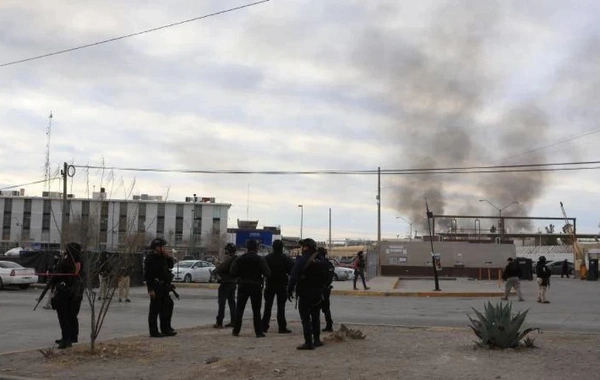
(360,253)
(74,250)
(322,251)
(230,248)
(278,245)
(509,259)
(252,245)
(158,242)
(308,242)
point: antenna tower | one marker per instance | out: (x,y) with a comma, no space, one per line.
(47,165)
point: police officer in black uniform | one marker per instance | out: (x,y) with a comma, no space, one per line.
(226,287)
(250,269)
(326,304)
(281,267)
(158,280)
(308,279)
(67,286)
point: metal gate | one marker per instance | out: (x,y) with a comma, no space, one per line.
(372,264)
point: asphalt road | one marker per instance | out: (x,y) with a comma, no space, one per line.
(575,307)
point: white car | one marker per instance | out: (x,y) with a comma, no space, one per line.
(13,274)
(343,274)
(192,271)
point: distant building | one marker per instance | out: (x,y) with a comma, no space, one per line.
(113,224)
(247,230)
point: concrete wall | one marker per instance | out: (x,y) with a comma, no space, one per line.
(458,259)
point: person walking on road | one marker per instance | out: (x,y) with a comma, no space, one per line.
(512,276)
(281,267)
(543,279)
(564,269)
(250,269)
(158,281)
(359,266)
(227,287)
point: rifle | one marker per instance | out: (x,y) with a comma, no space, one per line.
(41,297)
(172,289)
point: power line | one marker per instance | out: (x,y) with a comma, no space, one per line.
(30,183)
(559,166)
(555,143)
(134,34)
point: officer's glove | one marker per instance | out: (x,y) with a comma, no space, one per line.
(290,296)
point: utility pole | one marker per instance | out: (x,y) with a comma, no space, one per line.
(435,273)
(329,228)
(47,163)
(379,220)
(63,235)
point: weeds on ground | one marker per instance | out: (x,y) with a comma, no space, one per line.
(345,332)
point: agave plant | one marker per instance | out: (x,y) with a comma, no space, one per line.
(497,328)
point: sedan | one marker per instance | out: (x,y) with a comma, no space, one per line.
(343,274)
(556,267)
(193,271)
(13,274)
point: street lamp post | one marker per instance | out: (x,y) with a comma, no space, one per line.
(409,223)
(500,212)
(301,219)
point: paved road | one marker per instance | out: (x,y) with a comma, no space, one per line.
(575,307)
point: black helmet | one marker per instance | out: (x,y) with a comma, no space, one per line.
(230,248)
(360,253)
(252,245)
(74,251)
(158,242)
(277,245)
(542,258)
(310,243)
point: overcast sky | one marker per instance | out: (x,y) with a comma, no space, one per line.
(309,85)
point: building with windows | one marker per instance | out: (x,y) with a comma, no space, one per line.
(194,226)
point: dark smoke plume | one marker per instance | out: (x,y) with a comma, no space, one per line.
(441,88)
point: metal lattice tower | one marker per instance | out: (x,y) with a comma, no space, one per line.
(47,164)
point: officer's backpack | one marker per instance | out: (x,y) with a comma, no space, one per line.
(318,273)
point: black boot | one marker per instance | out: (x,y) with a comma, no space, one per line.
(64,344)
(328,328)
(308,344)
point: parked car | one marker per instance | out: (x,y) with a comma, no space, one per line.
(346,261)
(343,274)
(13,274)
(193,271)
(556,267)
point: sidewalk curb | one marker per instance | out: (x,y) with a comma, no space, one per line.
(368,293)
(362,293)
(10,377)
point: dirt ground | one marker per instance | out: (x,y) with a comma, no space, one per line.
(386,353)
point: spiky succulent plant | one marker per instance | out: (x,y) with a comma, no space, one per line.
(497,327)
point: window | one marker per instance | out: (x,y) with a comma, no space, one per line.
(122,218)
(8,206)
(160,220)
(47,210)
(184,264)
(179,223)
(141,217)
(216,227)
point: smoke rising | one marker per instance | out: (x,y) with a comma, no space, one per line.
(444,89)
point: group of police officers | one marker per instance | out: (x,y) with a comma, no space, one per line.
(309,278)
